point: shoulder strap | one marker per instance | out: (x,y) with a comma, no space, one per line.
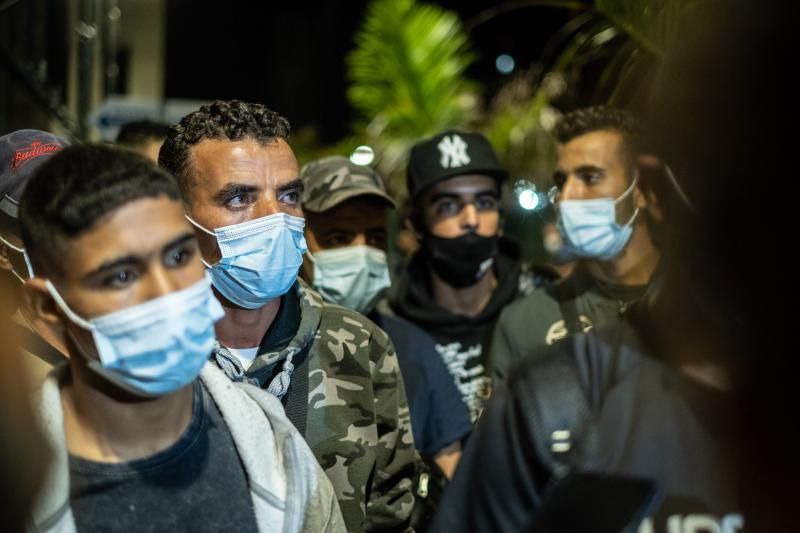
(36,345)
(297,398)
(566,292)
(569,312)
(558,412)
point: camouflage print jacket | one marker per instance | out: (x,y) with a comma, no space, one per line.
(355,416)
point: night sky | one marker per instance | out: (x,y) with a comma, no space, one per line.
(290,56)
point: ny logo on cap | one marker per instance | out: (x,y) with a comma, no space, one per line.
(454,152)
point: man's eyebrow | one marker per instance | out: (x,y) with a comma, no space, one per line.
(454,196)
(231,189)
(443,195)
(589,168)
(296,185)
(133,259)
(178,241)
(113,264)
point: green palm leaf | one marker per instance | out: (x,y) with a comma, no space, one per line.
(407,79)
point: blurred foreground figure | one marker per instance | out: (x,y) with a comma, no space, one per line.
(23,455)
(691,390)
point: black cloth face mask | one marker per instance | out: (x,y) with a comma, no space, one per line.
(461,261)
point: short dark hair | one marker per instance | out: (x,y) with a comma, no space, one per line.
(233,120)
(75,189)
(601,118)
(139,132)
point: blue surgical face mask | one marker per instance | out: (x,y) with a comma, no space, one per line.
(25,257)
(260,258)
(354,276)
(156,347)
(590,228)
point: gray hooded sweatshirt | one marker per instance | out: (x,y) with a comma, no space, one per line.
(289,490)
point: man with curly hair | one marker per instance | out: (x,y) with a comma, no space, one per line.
(333,369)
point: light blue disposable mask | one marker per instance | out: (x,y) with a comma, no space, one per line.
(24,255)
(354,276)
(156,347)
(590,228)
(260,258)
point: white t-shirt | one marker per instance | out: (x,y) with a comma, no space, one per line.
(245,355)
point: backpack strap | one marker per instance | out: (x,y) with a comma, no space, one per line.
(572,320)
(558,412)
(566,292)
(36,345)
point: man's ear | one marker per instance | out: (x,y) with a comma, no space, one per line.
(5,262)
(648,169)
(307,266)
(407,224)
(413,223)
(38,304)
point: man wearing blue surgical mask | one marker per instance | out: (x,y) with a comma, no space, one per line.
(146,434)
(336,372)
(347,209)
(605,223)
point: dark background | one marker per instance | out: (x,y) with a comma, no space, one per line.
(290,56)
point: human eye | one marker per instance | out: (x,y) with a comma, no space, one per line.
(119,278)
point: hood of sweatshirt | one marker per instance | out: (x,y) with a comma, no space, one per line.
(412,297)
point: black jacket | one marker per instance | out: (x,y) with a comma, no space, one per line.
(649,421)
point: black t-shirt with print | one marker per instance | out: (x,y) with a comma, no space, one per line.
(462,341)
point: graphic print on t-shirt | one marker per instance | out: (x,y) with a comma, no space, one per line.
(469,374)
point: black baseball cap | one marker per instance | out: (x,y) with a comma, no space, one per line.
(449,154)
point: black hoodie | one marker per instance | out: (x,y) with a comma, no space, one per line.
(462,341)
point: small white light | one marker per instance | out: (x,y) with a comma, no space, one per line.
(363,155)
(528,199)
(505,64)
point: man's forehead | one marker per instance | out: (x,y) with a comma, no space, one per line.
(595,148)
(220,158)
(354,214)
(138,227)
(466,185)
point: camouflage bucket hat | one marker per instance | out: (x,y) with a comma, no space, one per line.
(332,180)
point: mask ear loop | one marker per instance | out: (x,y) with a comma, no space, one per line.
(72,315)
(20,278)
(678,189)
(13,247)
(24,256)
(77,320)
(201,228)
(627,193)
